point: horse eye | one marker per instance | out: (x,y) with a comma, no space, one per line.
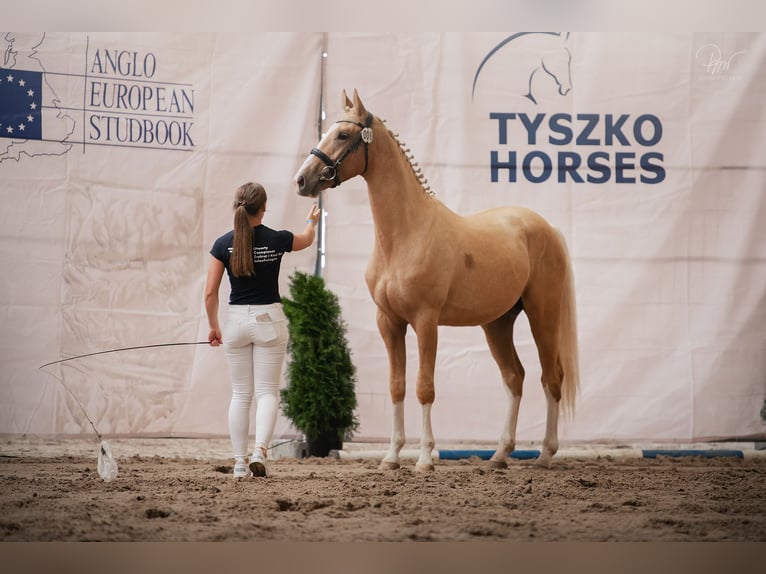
(342,136)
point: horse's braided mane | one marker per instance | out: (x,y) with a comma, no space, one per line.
(411,160)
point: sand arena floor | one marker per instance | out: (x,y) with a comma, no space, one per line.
(184,490)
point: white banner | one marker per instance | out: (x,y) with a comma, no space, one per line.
(646,150)
(110,212)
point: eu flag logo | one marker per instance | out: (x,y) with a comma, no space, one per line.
(21,94)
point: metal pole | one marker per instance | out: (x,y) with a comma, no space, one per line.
(320,257)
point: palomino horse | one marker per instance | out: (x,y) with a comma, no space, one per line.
(431,266)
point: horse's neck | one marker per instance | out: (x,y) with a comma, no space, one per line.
(400,206)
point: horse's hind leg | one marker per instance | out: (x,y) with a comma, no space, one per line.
(499,335)
(543,309)
(552,391)
(393,334)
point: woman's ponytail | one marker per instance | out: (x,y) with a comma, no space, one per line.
(249,200)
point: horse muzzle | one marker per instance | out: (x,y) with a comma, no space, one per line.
(313,177)
(304,189)
(309,183)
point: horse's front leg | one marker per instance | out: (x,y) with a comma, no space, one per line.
(427,342)
(393,333)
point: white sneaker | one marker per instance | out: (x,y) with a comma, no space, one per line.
(258,464)
(241,470)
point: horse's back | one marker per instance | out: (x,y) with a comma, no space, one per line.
(504,212)
(512,220)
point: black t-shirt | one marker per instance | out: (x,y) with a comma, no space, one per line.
(262,288)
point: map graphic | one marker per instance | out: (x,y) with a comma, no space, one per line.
(31,121)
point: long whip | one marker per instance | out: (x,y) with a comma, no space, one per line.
(106,465)
(124,349)
(82,408)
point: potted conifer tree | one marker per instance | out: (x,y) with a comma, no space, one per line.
(320,396)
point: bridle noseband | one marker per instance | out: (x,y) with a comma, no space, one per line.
(330,170)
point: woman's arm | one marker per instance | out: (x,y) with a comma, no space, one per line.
(214,275)
(306,237)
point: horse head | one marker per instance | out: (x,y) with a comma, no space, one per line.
(557,63)
(337,150)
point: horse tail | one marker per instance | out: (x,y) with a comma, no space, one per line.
(568,347)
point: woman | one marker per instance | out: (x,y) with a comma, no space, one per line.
(255,337)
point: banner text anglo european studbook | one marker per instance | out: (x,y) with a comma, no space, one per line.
(128,104)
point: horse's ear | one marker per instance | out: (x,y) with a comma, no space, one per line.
(358,105)
(345,102)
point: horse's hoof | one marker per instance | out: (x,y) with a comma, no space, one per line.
(424,467)
(387,465)
(498,464)
(543,461)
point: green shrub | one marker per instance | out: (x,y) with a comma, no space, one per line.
(320,395)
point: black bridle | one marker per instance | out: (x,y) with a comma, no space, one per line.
(330,170)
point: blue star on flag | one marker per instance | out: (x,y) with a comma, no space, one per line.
(21,106)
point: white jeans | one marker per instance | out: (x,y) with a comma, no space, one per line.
(254,341)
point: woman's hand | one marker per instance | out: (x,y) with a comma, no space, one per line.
(313,215)
(214,337)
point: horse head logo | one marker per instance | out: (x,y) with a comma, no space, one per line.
(537,51)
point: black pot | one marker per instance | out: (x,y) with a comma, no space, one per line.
(326,441)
